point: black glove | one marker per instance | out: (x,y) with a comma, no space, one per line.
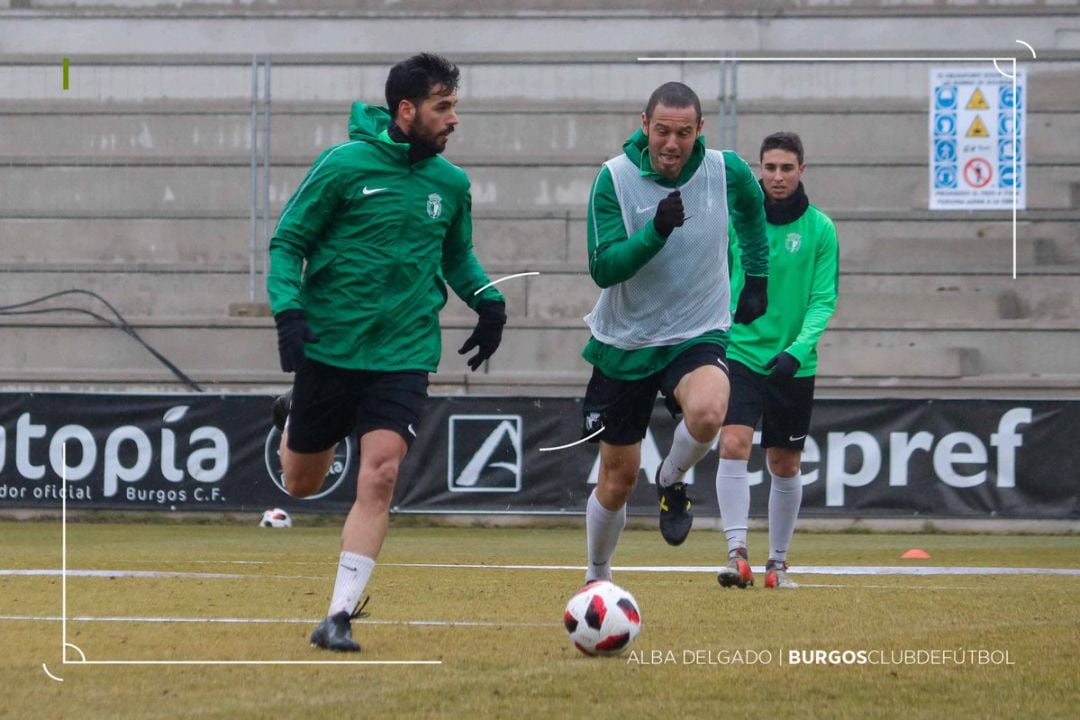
(487,334)
(783,366)
(753,300)
(669,214)
(292,333)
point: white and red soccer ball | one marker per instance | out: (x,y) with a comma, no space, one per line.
(275,517)
(602,619)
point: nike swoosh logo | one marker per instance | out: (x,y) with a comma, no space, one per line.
(793,439)
(644,209)
(372,191)
(413,432)
(349,568)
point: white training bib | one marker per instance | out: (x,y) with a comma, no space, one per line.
(684,291)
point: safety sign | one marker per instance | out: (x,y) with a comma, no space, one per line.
(976,143)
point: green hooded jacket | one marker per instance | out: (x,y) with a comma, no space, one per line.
(366,246)
(614,256)
(804,282)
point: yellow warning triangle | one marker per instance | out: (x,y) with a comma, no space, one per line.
(978,101)
(977,129)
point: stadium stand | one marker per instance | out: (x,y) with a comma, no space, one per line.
(135,183)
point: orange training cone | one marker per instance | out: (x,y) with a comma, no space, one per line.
(915,554)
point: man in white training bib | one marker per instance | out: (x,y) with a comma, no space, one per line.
(658,246)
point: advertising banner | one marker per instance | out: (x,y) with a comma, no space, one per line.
(948,458)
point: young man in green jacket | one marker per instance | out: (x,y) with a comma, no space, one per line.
(657,233)
(359,265)
(774,361)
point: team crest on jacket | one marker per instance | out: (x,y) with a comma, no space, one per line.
(434,205)
(794,240)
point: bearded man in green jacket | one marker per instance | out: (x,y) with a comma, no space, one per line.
(774,362)
(658,246)
(359,265)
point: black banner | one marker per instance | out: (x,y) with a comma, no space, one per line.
(954,458)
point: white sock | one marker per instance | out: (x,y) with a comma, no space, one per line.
(602,530)
(785,497)
(685,453)
(353,574)
(733,496)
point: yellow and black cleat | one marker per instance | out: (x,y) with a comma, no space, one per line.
(676,516)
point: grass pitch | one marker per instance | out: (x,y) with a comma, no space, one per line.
(705,651)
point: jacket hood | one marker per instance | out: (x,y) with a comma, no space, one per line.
(636,148)
(366,122)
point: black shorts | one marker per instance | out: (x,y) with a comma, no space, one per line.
(624,407)
(329,403)
(783,406)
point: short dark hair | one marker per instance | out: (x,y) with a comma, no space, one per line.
(782,141)
(673,94)
(414,79)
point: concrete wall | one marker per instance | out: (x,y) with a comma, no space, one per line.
(522,27)
(135,182)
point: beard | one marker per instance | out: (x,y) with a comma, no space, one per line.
(428,139)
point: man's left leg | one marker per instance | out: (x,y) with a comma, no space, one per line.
(388,413)
(788,408)
(702,395)
(381,453)
(785,497)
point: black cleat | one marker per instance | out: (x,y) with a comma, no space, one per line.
(282,405)
(676,517)
(335,631)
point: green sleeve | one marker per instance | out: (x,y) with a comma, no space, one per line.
(459,265)
(746,205)
(824,289)
(732,259)
(614,256)
(300,227)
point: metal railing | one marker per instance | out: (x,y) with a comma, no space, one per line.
(260,107)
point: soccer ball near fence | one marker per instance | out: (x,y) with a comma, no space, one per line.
(275,517)
(602,619)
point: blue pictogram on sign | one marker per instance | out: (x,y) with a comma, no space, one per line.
(1005,124)
(944,176)
(1009,149)
(945,97)
(944,150)
(945,124)
(1007,99)
(1006,177)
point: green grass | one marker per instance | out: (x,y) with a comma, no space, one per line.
(520,664)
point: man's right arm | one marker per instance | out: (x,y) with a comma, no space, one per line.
(746,205)
(613,255)
(303,220)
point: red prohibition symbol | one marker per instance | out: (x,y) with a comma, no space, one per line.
(978,172)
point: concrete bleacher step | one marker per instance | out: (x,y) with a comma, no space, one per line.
(560,292)
(1028,385)
(953,243)
(573,8)
(122,241)
(947,362)
(958,244)
(881,300)
(247,345)
(500,237)
(179,291)
(1000,347)
(458,28)
(541,183)
(163,293)
(888,131)
(177,130)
